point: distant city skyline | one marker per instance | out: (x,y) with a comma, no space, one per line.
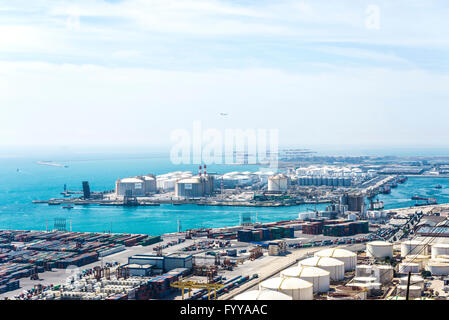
(111,73)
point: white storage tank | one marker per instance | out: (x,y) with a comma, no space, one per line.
(419,259)
(438,268)
(262,295)
(363,271)
(278,182)
(349,258)
(414,281)
(413,247)
(383,273)
(335,267)
(296,288)
(318,277)
(379,249)
(406,267)
(365,280)
(440,249)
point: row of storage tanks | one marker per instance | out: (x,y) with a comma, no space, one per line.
(311,275)
(415,255)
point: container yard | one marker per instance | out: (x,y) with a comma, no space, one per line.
(226,263)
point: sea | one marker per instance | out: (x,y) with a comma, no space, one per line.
(23,180)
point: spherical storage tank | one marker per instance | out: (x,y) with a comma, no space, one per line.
(413,247)
(440,249)
(335,267)
(318,277)
(262,295)
(379,249)
(296,288)
(349,258)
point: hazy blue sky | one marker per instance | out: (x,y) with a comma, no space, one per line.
(132,71)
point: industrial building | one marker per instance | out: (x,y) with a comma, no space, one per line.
(278,183)
(196,186)
(162,263)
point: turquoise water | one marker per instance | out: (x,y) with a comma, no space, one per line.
(34,182)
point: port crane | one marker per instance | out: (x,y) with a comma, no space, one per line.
(189,285)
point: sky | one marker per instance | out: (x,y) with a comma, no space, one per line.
(130,72)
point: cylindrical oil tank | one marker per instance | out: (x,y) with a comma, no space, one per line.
(438,268)
(440,249)
(349,258)
(384,273)
(379,249)
(359,291)
(406,267)
(335,267)
(342,296)
(318,277)
(419,259)
(414,281)
(413,247)
(296,288)
(363,271)
(414,291)
(365,279)
(262,295)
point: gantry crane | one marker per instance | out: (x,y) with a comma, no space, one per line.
(197,285)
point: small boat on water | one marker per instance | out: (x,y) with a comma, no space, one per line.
(69,206)
(438,186)
(54,203)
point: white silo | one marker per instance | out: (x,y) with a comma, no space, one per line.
(438,268)
(318,277)
(408,267)
(440,249)
(335,267)
(379,249)
(413,247)
(296,288)
(262,295)
(349,258)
